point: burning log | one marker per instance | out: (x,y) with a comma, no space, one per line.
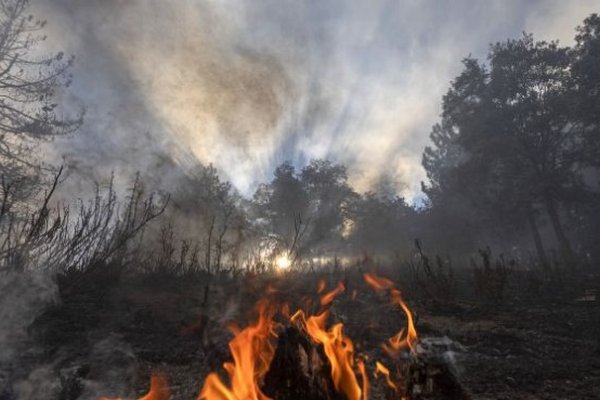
(309,361)
(299,369)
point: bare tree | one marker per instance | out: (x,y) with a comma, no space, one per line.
(28,83)
(293,248)
(55,238)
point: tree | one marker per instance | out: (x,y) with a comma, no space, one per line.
(585,99)
(282,206)
(282,201)
(305,210)
(585,112)
(28,84)
(329,195)
(506,141)
(210,208)
(457,198)
(381,225)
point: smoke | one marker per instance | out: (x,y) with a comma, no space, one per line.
(113,367)
(23,297)
(247,85)
(26,371)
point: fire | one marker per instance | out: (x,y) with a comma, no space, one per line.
(365,379)
(378,283)
(320,286)
(329,296)
(159,390)
(252,351)
(382,369)
(401,341)
(405,338)
(339,350)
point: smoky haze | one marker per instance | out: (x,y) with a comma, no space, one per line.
(246,86)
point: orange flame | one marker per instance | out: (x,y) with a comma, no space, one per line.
(365,379)
(252,349)
(332,294)
(339,350)
(398,342)
(159,390)
(320,286)
(378,283)
(382,369)
(252,352)
(405,337)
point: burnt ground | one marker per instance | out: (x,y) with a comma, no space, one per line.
(526,352)
(110,331)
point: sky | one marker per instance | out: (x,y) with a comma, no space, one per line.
(246,85)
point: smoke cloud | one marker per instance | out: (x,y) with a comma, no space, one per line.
(247,85)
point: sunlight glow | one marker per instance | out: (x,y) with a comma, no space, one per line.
(283,262)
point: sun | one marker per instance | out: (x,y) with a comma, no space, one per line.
(283,261)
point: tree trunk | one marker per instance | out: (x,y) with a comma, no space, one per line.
(219,246)
(561,237)
(537,239)
(209,245)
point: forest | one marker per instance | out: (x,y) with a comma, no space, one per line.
(496,261)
